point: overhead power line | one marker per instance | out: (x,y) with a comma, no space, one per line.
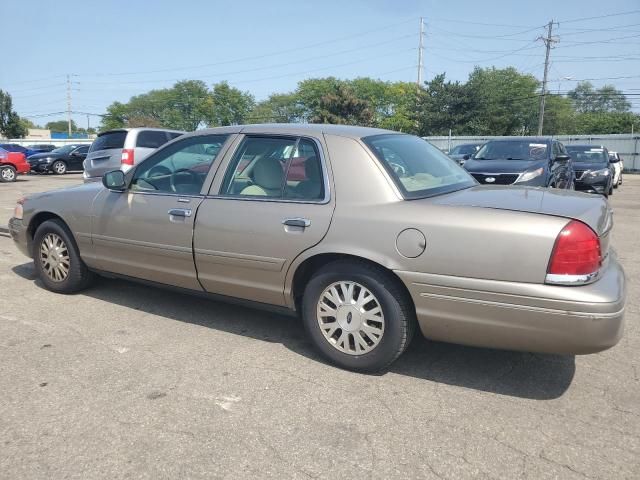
(583,19)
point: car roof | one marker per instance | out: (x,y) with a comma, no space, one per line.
(316,129)
(522,139)
(139,129)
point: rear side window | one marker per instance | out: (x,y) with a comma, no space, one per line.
(109,140)
(173,135)
(151,139)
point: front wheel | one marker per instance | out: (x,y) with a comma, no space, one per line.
(7,173)
(358,315)
(59,167)
(57,259)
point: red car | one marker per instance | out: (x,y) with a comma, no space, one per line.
(11,164)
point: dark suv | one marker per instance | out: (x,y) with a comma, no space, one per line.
(593,171)
(541,162)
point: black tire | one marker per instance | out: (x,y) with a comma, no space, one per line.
(7,174)
(78,277)
(59,167)
(397,308)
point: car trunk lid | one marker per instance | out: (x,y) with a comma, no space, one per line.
(592,210)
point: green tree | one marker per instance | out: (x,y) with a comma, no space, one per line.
(393,103)
(230,106)
(11,125)
(559,116)
(587,99)
(278,108)
(61,126)
(601,123)
(444,105)
(505,101)
(341,106)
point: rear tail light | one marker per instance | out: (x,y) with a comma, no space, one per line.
(127,156)
(576,256)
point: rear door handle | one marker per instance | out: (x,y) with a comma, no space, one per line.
(180,212)
(297,222)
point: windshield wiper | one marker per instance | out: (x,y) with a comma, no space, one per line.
(514,158)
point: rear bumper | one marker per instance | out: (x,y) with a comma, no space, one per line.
(19,235)
(40,167)
(521,316)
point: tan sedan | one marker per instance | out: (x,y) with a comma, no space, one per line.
(366,233)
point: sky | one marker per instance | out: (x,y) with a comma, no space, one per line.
(115,49)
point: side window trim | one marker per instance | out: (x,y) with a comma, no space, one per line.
(218,182)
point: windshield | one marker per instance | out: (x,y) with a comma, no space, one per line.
(587,154)
(418,168)
(65,149)
(464,150)
(512,150)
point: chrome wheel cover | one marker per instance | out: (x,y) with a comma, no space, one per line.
(59,167)
(8,174)
(350,318)
(54,257)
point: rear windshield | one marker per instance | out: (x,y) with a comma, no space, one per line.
(513,150)
(109,140)
(587,154)
(418,168)
(151,139)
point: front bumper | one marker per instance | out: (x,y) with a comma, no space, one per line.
(40,167)
(521,316)
(593,184)
(20,237)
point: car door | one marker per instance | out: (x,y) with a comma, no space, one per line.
(146,231)
(77,156)
(269,202)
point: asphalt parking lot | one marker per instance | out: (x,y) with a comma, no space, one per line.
(127,381)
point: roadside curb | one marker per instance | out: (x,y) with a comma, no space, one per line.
(4,230)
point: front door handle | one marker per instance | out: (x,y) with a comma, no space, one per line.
(180,212)
(297,222)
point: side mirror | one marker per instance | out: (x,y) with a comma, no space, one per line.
(114,181)
(562,158)
(466,156)
(613,160)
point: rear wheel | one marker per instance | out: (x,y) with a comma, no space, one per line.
(57,259)
(59,167)
(357,315)
(7,173)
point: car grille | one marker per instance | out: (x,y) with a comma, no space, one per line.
(578,173)
(500,178)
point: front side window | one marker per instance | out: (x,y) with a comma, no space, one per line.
(286,168)
(180,168)
(418,168)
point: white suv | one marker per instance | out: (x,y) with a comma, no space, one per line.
(123,148)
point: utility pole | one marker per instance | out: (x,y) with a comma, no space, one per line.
(69,104)
(421,52)
(548,41)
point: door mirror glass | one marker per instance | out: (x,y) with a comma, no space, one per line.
(114,181)
(613,160)
(466,156)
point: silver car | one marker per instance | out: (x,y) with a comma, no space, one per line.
(123,148)
(366,234)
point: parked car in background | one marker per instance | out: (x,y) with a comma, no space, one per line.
(41,147)
(123,148)
(618,166)
(14,147)
(594,173)
(541,162)
(462,153)
(60,160)
(378,237)
(12,164)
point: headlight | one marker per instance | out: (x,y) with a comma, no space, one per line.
(49,159)
(530,175)
(18,211)
(599,173)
